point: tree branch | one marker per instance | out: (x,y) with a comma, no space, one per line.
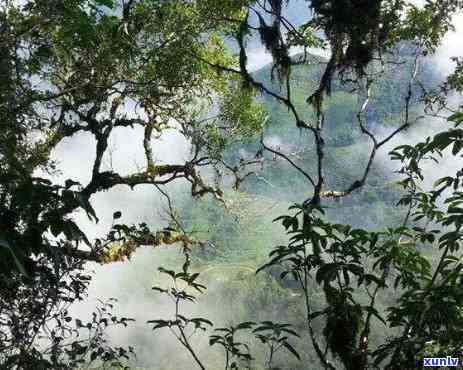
(303,172)
(376,145)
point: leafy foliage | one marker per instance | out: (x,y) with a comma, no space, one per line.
(38,329)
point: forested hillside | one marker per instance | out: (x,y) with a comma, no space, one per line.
(241,233)
(275,184)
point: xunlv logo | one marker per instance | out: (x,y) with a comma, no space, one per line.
(441,361)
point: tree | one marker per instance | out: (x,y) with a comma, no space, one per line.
(76,66)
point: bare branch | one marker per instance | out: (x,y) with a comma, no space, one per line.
(289,160)
(147,146)
(376,145)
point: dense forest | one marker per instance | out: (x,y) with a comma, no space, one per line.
(230,184)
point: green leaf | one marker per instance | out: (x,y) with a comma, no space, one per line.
(376,314)
(457,118)
(159,289)
(245,325)
(108,3)
(327,272)
(291,349)
(85,204)
(457,146)
(18,264)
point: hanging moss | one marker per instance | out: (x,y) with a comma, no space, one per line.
(357,30)
(120,251)
(272,39)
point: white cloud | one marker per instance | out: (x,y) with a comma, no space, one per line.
(258,58)
(452,46)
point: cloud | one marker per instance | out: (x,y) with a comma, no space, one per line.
(129,282)
(452,46)
(258,58)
